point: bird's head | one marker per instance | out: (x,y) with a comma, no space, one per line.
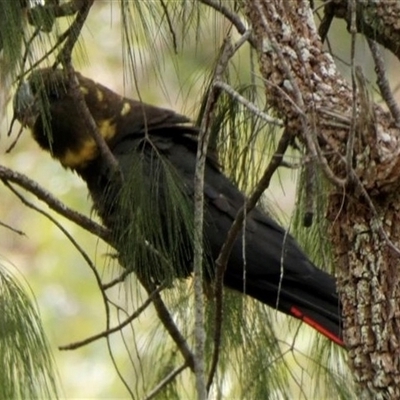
(47,105)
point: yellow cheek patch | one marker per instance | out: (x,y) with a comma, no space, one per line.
(107,128)
(80,157)
(88,150)
(99,95)
(84,90)
(125,109)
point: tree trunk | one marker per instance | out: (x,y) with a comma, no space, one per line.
(356,144)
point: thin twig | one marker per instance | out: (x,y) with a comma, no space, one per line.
(62,38)
(8,175)
(326,20)
(108,332)
(117,280)
(221,264)
(117,369)
(64,56)
(18,232)
(73,241)
(59,226)
(232,17)
(353,125)
(91,125)
(91,266)
(27,52)
(344,120)
(170,26)
(248,104)
(42,194)
(58,43)
(234,230)
(169,378)
(168,322)
(201,158)
(15,141)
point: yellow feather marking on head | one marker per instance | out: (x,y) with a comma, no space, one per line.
(99,95)
(80,157)
(84,90)
(125,109)
(107,128)
(88,149)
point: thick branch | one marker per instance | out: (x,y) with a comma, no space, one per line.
(377,20)
(42,194)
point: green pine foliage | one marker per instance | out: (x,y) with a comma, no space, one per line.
(26,363)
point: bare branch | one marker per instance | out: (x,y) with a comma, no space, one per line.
(326,20)
(376,20)
(117,280)
(234,230)
(117,328)
(382,81)
(353,126)
(75,244)
(18,232)
(248,104)
(169,324)
(90,122)
(8,175)
(231,16)
(201,157)
(169,378)
(75,29)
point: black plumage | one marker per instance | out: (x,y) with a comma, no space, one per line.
(152,204)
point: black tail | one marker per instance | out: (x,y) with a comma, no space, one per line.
(317,306)
(277,271)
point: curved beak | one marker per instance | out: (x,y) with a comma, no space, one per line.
(25,105)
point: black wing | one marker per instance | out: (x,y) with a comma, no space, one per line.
(276,270)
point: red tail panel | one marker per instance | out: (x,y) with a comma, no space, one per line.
(298,314)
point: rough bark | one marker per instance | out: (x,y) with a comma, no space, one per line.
(357,144)
(374,20)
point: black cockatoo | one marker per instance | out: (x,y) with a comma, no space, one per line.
(148,203)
